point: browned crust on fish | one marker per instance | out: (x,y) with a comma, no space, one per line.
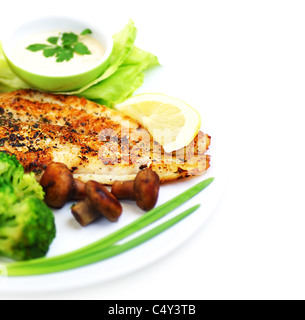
(95,142)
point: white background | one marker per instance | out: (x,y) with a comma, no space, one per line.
(242,63)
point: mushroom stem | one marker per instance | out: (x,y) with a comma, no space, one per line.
(123,190)
(84,213)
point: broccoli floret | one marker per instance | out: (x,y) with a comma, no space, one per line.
(12,172)
(7,197)
(27,227)
(28,186)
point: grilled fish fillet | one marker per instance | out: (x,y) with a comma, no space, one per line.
(95,142)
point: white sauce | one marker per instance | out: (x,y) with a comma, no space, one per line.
(36,62)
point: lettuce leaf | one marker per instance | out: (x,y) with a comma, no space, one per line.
(8,80)
(123,43)
(125,81)
(124,75)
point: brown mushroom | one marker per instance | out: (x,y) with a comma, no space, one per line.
(57,183)
(123,190)
(84,213)
(147,186)
(144,190)
(99,202)
(60,186)
(78,190)
(103,201)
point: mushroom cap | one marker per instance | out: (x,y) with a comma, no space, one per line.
(79,190)
(146,187)
(103,201)
(57,183)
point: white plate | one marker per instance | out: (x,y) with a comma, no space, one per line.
(71,236)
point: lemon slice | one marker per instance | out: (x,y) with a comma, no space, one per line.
(171,122)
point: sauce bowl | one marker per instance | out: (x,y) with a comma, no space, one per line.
(62,83)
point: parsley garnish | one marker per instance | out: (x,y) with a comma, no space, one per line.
(85,32)
(62,47)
